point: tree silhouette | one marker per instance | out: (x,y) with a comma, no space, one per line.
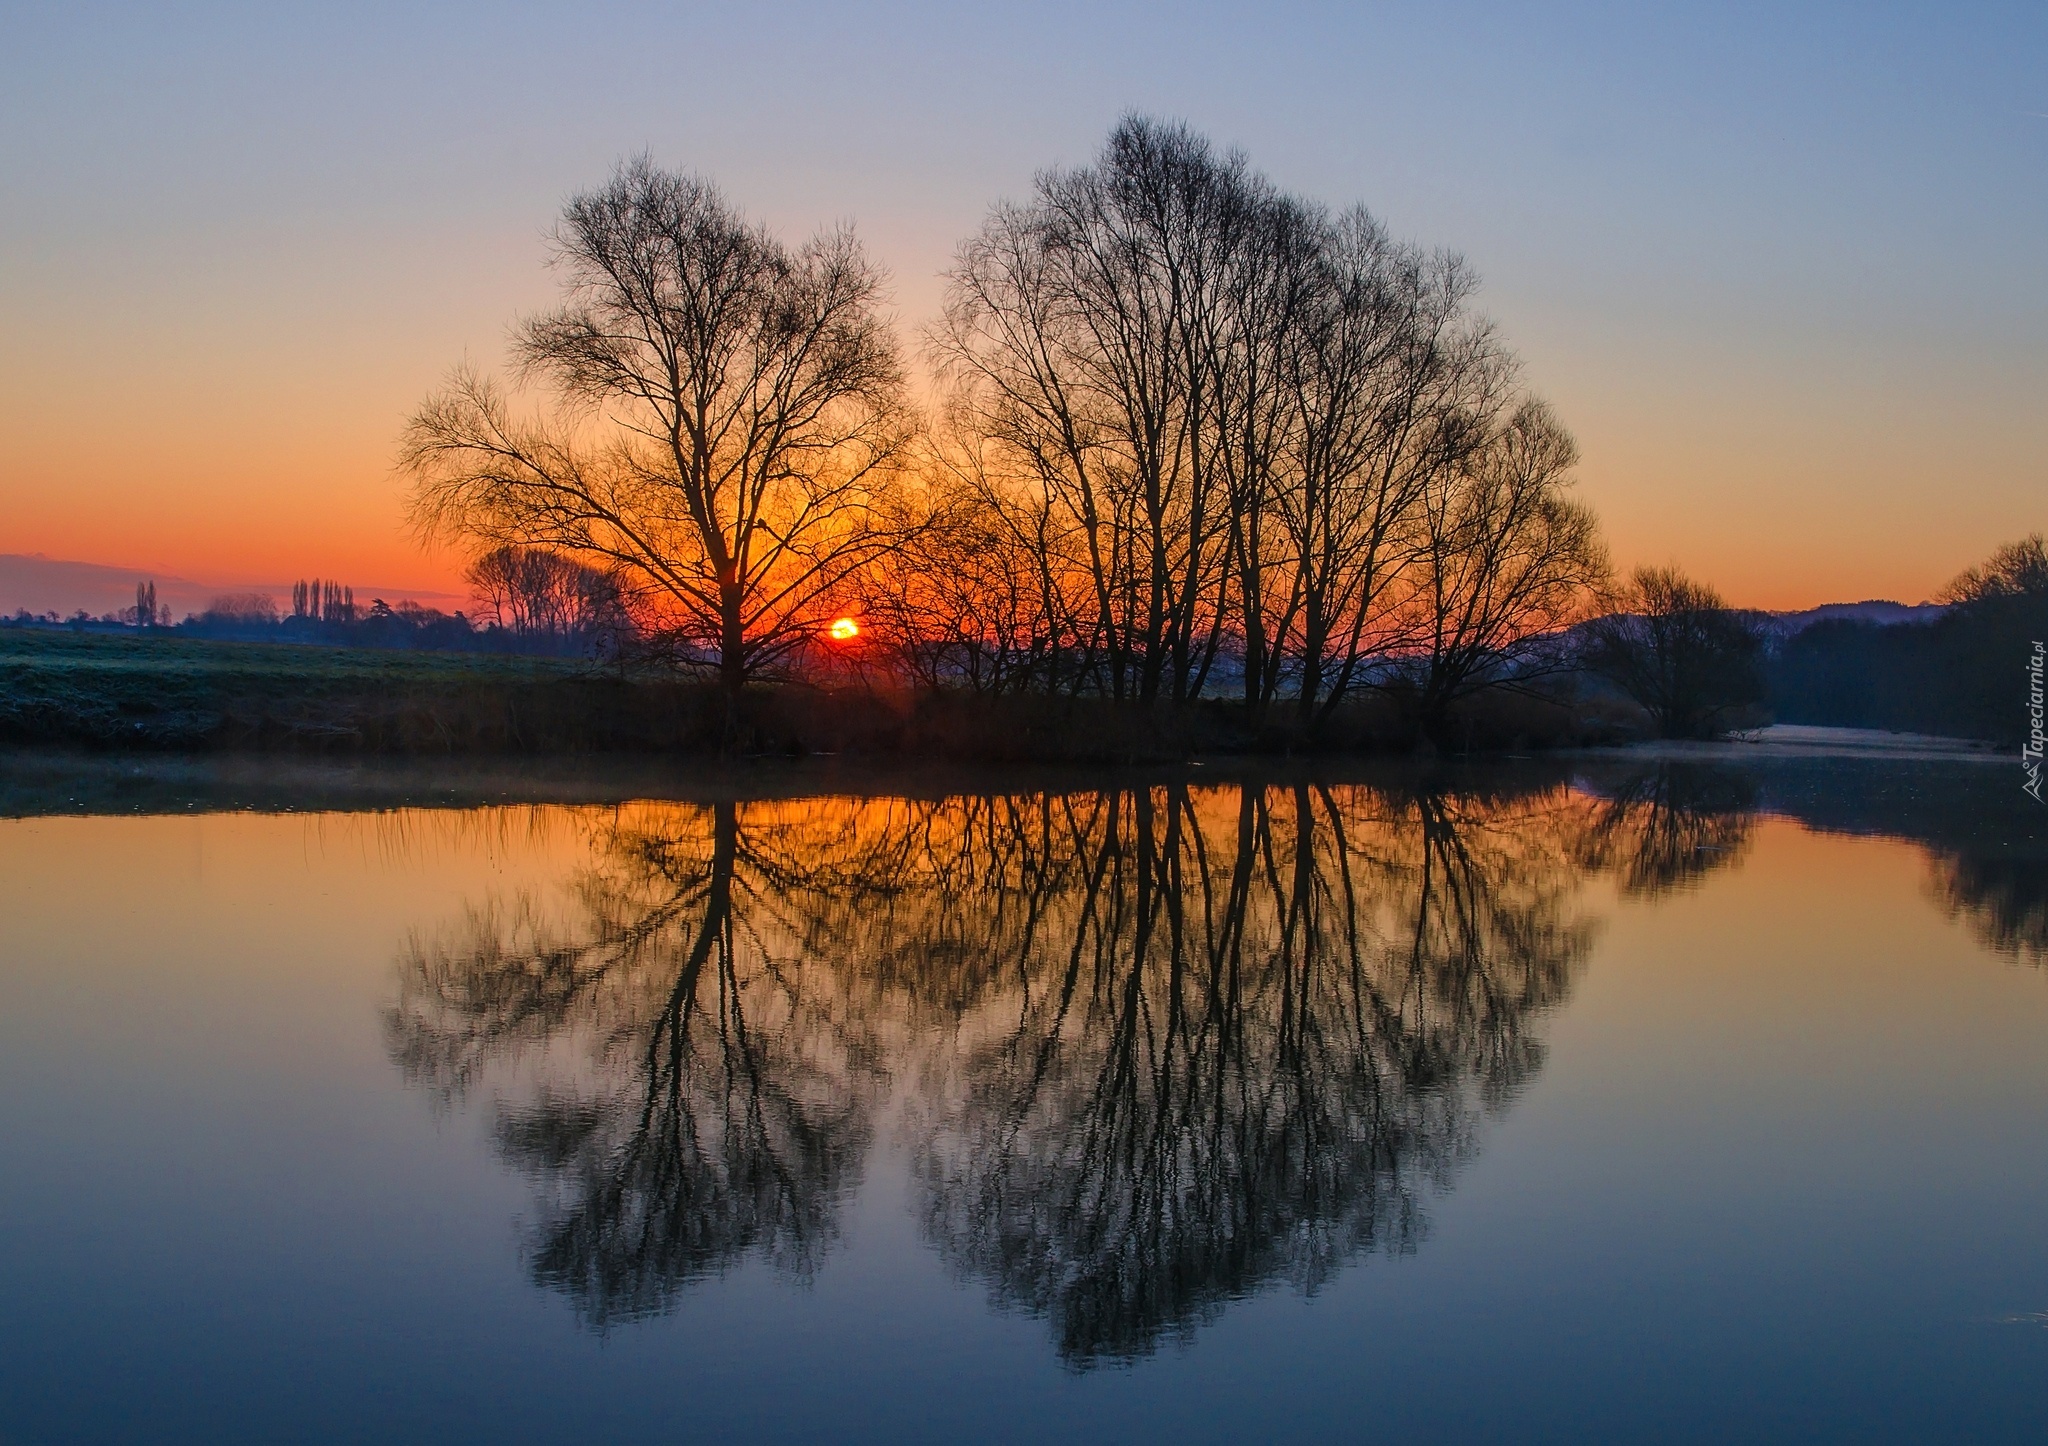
(729,407)
(2004,899)
(1679,651)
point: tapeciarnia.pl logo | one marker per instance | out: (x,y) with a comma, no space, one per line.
(2030,752)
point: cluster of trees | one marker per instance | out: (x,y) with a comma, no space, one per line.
(1676,648)
(326,612)
(315,600)
(545,597)
(1697,667)
(1963,673)
(147,612)
(1197,437)
(1211,421)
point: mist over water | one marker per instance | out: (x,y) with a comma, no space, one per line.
(1635,1100)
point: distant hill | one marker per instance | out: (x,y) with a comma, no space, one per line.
(1876,610)
(46,584)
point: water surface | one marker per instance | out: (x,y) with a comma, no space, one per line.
(1613,1101)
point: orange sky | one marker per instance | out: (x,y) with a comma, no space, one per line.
(236,463)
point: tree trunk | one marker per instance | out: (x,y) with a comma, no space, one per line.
(732,637)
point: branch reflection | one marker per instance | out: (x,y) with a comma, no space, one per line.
(2003,898)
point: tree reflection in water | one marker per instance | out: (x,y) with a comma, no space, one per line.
(1163,1046)
(728,1102)
(2004,900)
(1252,1033)
(1666,827)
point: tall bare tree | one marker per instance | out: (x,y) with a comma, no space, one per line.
(728,409)
(1392,388)
(1081,331)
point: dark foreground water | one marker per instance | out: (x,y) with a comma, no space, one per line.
(1607,1103)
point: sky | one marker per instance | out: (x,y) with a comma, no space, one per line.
(1783,270)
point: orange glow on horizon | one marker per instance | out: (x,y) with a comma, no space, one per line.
(231,479)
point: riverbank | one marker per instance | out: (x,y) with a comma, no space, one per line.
(136,693)
(1801,740)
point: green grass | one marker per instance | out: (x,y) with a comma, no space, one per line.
(139,661)
(63,687)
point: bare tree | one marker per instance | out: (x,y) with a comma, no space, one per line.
(1267,319)
(1508,562)
(1392,391)
(729,409)
(2018,569)
(1081,332)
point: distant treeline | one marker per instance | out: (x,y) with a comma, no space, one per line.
(1963,674)
(528,602)
(380,625)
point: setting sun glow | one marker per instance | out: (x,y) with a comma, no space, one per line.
(845,630)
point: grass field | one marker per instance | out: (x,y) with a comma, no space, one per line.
(128,691)
(132,692)
(125,662)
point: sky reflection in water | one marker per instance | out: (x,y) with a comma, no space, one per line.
(1659,1100)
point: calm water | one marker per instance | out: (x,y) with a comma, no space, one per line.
(1617,1103)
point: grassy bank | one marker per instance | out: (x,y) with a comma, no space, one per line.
(143,693)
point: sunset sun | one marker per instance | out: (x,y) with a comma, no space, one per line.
(844,630)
